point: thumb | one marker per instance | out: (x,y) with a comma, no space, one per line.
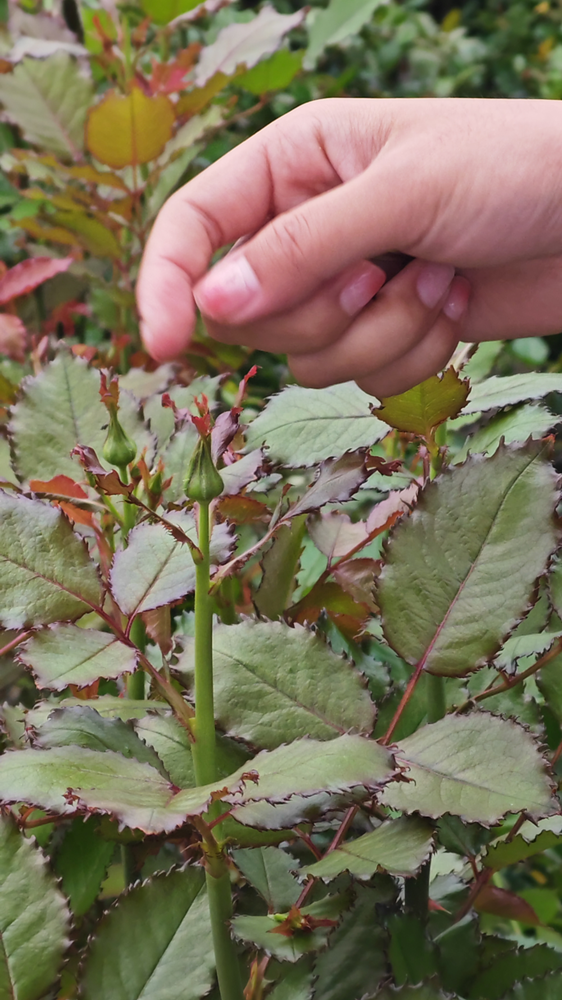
(298,251)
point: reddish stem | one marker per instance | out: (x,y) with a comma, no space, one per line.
(15,642)
(404,701)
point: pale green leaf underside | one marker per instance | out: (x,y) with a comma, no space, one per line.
(341,19)
(66,654)
(244,44)
(138,796)
(156,944)
(399,847)
(108,706)
(274,684)
(48,99)
(507,390)
(34,918)
(478,767)
(261,930)
(45,571)
(458,558)
(516,425)
(519,646)
(269,869)
(306,426)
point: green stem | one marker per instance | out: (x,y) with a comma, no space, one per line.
(220,905)
(416,892)
(436,699)
(136,681)
(129,513)
(128,862)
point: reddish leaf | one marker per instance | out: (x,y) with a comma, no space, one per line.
(243,510)
(29,274)
(357,578)
(502,903)
(168,78)
(76,514)
(158,625)
(336,535)
(387,512)
(348,614)
(107,482)
(13,337)
(60,485)
(224,430)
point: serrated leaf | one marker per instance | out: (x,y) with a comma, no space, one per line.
(546,834)
(264,931)
(129,129)
(48,99)
(515,965)
(84,727)
(28,274)
(306,426)
(547,988)
(172,744)
(337,480)
(81,882)
(65,654)
(399,847)
(411,993)
(279,565)
(464,537)
(519,646)
(421,409)
(341,19)
(527,421)
(34,918)
(155,569)
(46,573)
(244,44)
(355,960)
(108,706)
(296,983)
(268,869)
(155,944)
(499,391)
(274,683)
(478,767)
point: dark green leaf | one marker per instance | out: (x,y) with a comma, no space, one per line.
(511,967)
(399,846)
(531,839)
(279,566)
(412,955)
(65,654)
(412,993)
(547,988)
(355,960)
(269,871)
(81,861)
(296,983)
(264,931)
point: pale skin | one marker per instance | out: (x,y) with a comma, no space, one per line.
(472,189)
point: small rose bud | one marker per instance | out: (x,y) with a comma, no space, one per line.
(118,448)
(203,482)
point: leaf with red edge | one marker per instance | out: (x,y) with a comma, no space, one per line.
(13,337)
(59,486)
(243,510)
(27,275)
(344,610)
(108,482)
(502,903)
(337,480)
(357,578)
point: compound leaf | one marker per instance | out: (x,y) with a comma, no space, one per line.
(467,532)
(46,573)
(274,683)
(66,654)
(478,767)
(34,918)
(399,846)
(155,944)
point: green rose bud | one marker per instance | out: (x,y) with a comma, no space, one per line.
(118,448)
(202,482)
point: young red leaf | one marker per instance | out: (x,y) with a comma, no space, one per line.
(502,903)
(27,275)
(59,485)
(13,337)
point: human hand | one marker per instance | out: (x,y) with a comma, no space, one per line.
(470,188)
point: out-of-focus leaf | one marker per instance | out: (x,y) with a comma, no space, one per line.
(81,882)
(355,960)
(129,129)
(269,871)
(337,480)
(34,918)
(13,337)
(302,427)
(279,565)
(163,11)
(65,654)
(503,903)
(411,993)
(342,608)
(274,684)
(413,957)
(46,573)
(547,988)
(341,19)
(296,983)
(271,74)
(481,362)
(91,233)
(155,569)
(499,391)
(527,421)
(245,44)
(478,767)
(265,932)
(27,275)
(466,533)
(421,409)
(155,943)
(48,99)
(399,846)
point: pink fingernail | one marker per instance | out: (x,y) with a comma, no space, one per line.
(360,290)
(457,300)
(226,292)
(432,283)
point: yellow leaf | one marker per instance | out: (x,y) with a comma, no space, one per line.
(56,234)
(421,409)
(92,234)
(124,130)
(198,98)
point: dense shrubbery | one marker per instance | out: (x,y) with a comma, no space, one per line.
(374,583)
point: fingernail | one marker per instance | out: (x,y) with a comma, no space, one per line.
(433,281)
(227,291)
(457,300)
(360,290)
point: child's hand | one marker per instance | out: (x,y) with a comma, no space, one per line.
(471,188)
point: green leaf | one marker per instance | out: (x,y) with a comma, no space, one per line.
(269,871)
(155,944)
(341,19)
(45,571)
(275,73)
(274,683)
(337,480)
(399,846)
(264,931)
(296,983)
(244,44)
(421,409)
(412,955)
(84,727)
(527,421)
(66,654)
(498,391)
(172,744)
(108,706)
(457,951)
(34,918)
(279,566)
(531,839)
(355,959)
(511,967)
(481,362)
(547,988)
(163,11)
(81,882)
(48,100)
(478,767)
(519,646)
(161,418)
(467,534)
(176,458)
(306,426)
(411,993)
(59,409)
(155,569)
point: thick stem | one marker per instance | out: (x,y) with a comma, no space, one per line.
(204,724)
(416,892)
(436,699)
(220,906)
(136,681)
